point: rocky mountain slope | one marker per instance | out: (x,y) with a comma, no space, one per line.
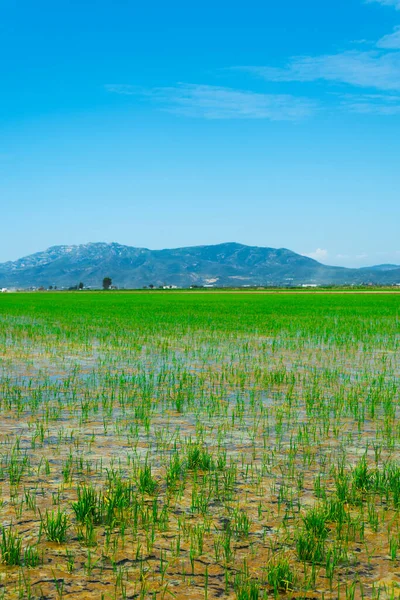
(228,264)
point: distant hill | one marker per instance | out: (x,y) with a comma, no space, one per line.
(228,264)
(383,268)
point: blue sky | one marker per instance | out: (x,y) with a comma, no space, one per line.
(172,123)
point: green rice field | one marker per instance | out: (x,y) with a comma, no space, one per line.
(198,446)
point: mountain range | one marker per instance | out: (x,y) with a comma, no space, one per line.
(226,265)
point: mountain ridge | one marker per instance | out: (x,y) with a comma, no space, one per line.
(228,264)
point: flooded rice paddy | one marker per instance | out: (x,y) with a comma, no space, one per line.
(199,446)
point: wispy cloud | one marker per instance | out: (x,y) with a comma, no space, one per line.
(319,254)
(375,71)
(395,3)
(212,102)
(378,104)
(377,68)
(369,69)
(390,41)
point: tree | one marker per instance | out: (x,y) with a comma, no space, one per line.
(80,286)
(107,281)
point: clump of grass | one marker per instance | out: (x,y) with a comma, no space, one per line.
(89,506)
(362,476)
(391,476)
(31,558)
(335,511)
(309,548)
(344,489)
(198,458)
(280,575)
(315,522)
(10,547)
(119,497)
(145,481)
(55,525)
(240,523)
(175,470)
(247,590)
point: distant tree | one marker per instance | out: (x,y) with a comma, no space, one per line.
(50,287)
(107,281)
(80,286)
(151,286)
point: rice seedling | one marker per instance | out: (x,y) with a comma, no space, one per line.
(309,548)
(315,522)
(89,505)
(10,547)
(198,458)
(240,523)
(55,525)
(32,557)
(280,576)
(145,481)
(247,591)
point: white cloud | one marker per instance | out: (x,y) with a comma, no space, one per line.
(395,3)
(377,69)
(319,254)
(390,41)
(369,69)
(212,102)
(378,104)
